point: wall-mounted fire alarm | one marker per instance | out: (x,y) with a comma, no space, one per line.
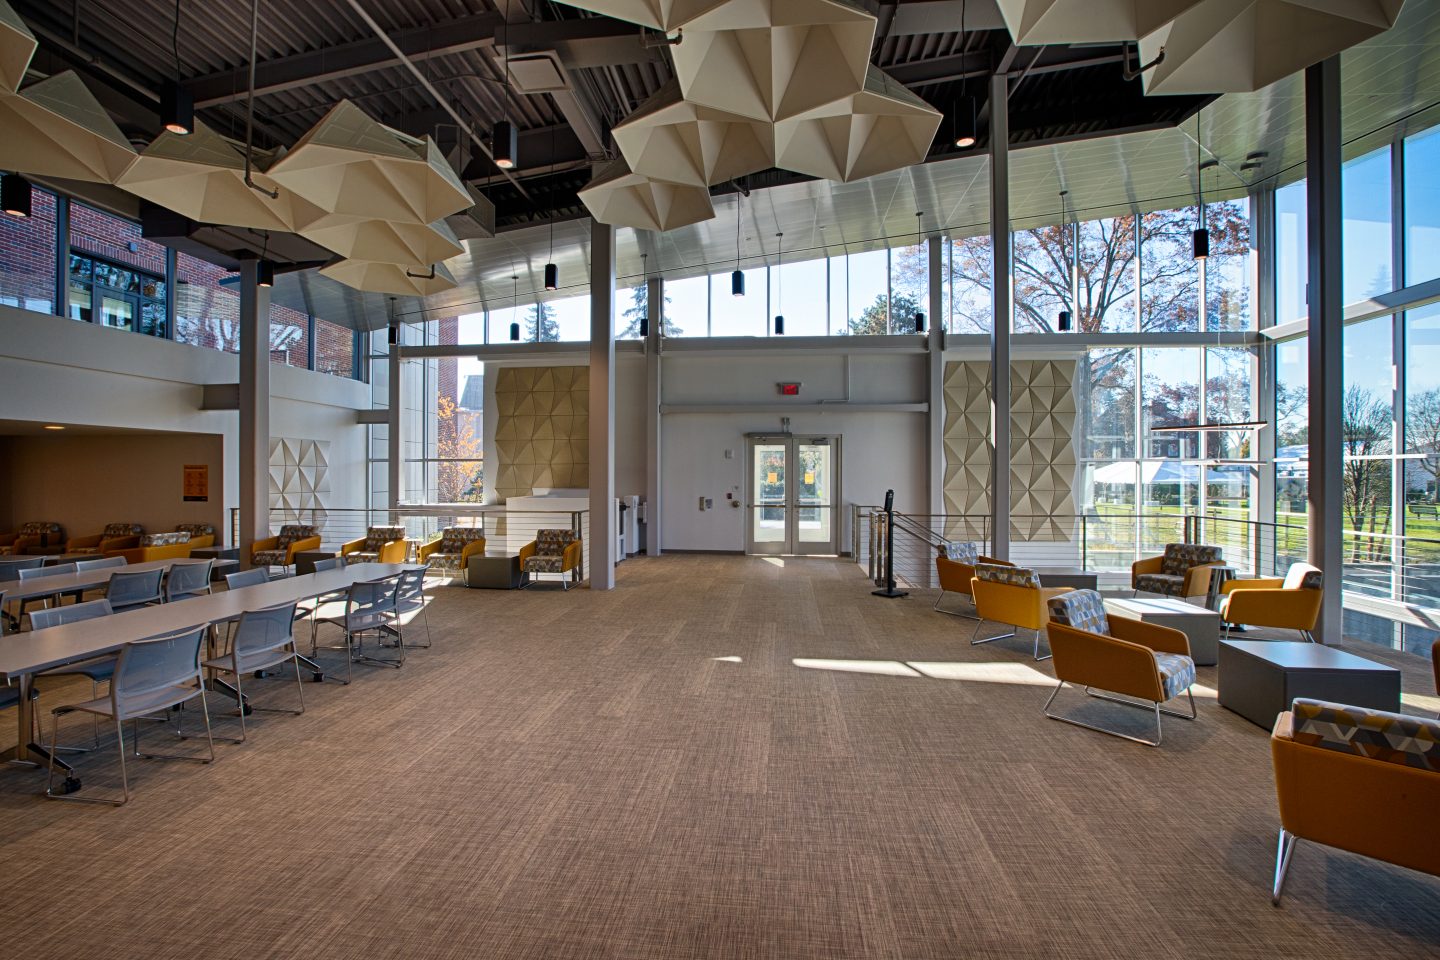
(789,389)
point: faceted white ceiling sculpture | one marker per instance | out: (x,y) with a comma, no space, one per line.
(664,15)
(350,164)
(392,278)
(202,176)
(670,138)
(623,198)
(883,127)
(773,59)
(1087,21)
(17,46)
(1239,46)
(385,241)
(57,128)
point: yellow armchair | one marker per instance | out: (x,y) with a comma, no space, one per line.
(1138,660)
(1011,595)
(379,545)
(1355,779)
(1291,603)
(452,550)
(157,546)
(955,576)
(1183,570)
(115,536)
(552,551)
(280,550)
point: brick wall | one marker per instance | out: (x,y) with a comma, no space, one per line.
(27,256)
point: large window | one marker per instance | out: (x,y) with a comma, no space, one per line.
(1170,397)
(744,316)
(867,294)
(1169,272)
(207,312)
(1043,263)
(1108,431)
(969,284)
(334,349)
(116,277)
(1365,232)
(1227,270)
(909,286)
(1422,207)
(687,307)
(1106,276)
(797,293)
(1292,264)
(27,256)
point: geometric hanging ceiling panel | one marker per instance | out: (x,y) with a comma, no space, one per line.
(1087,21)
(392,278)
(352,165)
(57,127)
(385,241)
(672,139)
(663,15)
(622,198)
(202,176)
(17,46)
(882,128)
(1239,46)
(769,60)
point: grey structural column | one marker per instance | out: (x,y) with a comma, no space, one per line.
(254,407)
(935,369)
(394,367)
(1000,331)
(1262,302)
(1322,193)
(654,457)
(600,551)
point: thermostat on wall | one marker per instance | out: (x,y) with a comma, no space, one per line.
(789,389)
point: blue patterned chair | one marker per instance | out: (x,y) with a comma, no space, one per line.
(1361,780)
(1183,570)
(1011,595)
(1142,661)
(552,551)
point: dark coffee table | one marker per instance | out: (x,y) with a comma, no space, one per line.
(1075,578)
(216,553)
(305,560)
(1259,678)
(495,571)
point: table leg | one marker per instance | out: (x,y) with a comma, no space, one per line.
(27,751)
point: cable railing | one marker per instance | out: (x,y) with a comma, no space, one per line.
(506,531)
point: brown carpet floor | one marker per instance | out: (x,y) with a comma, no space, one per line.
(724,758)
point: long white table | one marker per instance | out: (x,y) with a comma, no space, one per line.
(22,655)
(87,579)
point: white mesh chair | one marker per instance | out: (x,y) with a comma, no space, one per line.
(97,671)
(185,580)
(247,578)
(151,676)
(369,609)
(410,602)
(261,639)
(131,590)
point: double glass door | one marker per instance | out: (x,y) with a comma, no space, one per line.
(792,494)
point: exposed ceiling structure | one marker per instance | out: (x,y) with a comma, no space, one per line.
(573,76)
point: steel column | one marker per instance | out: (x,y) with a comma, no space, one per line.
(1326,336)
(935,372)
(1000,331)
(601,548)
(654,394)
(254,407)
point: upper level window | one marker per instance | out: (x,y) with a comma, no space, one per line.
(116,296)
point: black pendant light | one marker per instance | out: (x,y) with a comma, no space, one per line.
(15,195)
(1201,245)
(1062,319)
(966,132)
(504,145)
(919,318)
(645,279)
(552,277)
(265,274)
(780,284)
(514,305)
(737,279)
(177,105)
(1063,323)
(552,272)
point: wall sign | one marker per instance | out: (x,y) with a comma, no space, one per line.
(196,482)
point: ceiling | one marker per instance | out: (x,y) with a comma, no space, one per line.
(36,428)
(1075,122)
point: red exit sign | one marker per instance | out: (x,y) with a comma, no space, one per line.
(789,389)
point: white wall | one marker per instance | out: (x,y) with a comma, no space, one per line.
(61,371)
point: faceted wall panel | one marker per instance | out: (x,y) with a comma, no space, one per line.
(543,430)
(968,448)
(299,480)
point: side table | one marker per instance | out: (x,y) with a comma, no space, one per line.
(1219,576)
(216,553)
(1260,678)
(1200,626)
(305,560)
(1073,577)
(495,571)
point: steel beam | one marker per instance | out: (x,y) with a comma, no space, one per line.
(254,408)
(654,395)
(1000,332)
(935,375)
(600,551)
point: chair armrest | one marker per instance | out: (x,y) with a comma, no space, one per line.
(119,543)
(426,549)
(1152,635)
(1259,583)
(1146,565)
(350,546)
(470,549)
(1109,663)
(309,543)
(1284,726)
(392,551)
(953,575)
(268,543)
(571,558)
(133,555)
(1003,563)
(1286,609)
(7,539)
(1197,579)
(526,552)
(85,543)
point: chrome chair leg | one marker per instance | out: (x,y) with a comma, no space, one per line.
(1284,849)
(951,613)
(1159,731)
(1038,658)
(1089,692)
(71,783)
(976,639)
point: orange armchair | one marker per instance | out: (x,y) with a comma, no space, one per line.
(1138,660)
(1358,780)
(157,546)
(280,550)
(452,550)
(1182,571)
(552,551)
(1291,603)
(954,574)
(38,537)
(379,545)
(115,536)
(1011,595)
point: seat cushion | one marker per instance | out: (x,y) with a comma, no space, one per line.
(196,530)
(963,551)
(1082,610)
(1376,734)
(553,564)
(552,543)
(269,558)
(1177,672)
(1014,576)
(164,539)
(377,537)
(362,556)
(445,561)
(1172,585)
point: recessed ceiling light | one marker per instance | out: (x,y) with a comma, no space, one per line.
(53,426)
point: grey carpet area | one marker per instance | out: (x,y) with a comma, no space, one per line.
(725,757)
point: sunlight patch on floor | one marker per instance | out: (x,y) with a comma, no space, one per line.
(884,668)
(1420,702)
(986,673)
(729,659)
(774,561)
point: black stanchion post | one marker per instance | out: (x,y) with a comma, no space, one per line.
(890,590)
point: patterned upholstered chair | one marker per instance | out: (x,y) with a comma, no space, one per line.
(1360,780)
(955,568)
(1182,571)
(280,550)
(450,553)
(36,538)
(1142,661)
(1011,595)
(1289,604)
(379,545)
(115,536)
(174,545)
(201,534)
(552,551)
